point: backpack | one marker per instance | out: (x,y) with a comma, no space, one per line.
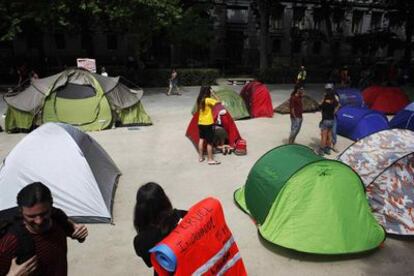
(11,222)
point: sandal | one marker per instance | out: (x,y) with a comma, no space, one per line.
(214,162)
(201,159)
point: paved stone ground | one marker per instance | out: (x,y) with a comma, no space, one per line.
(163,154)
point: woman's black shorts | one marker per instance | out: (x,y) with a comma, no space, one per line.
(206,132)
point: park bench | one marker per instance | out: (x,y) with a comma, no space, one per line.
(239,81)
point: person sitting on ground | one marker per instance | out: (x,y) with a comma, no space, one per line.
(220,140)
(154,219)
(35,239)
(328,107)
(205,103)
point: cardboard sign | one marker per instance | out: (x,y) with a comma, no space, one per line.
(87,63)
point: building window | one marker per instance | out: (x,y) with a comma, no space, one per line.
(297,46)
(111,42)
(237,16)
(60,41)
(276,46)
(299,17)
(357,17)
(316,48)
(338,18)
(277,16)
(376,20)
(317,18)
(336,47)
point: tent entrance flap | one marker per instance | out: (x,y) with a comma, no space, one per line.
(75,91)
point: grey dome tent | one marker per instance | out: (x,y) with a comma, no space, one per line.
(385,163)
(78,171)
(77,97)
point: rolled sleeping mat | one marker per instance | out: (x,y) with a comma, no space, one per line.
(165,257)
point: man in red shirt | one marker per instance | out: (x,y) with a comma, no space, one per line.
(296,110)
(46,228)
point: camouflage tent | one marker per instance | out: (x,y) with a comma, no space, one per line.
(385,163)
(309,105)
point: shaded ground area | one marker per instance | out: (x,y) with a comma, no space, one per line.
(163,154)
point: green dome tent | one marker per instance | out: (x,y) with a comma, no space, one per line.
(232,101)
(307,203)
(77,97)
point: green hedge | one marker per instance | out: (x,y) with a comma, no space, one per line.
(186,77)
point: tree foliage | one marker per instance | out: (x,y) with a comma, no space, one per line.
(71,15)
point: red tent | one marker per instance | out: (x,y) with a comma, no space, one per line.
(258,100)
(389,100)
(226,121)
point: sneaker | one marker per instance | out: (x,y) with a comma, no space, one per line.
(327,150)
(334,149)
(321,152)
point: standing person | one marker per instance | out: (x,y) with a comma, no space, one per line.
(301,78)
(154,219)
(205,103)
(23,75)
(345,77)
(329,89)
(296,111)
(33,76)
(103,71)
(328,107)
(35,240)
(173,81)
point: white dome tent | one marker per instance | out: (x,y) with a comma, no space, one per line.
(80,174)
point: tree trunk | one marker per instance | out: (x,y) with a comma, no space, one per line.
(408,33)
(329,34)
(264,33)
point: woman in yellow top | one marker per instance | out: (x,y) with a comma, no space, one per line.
(205,103)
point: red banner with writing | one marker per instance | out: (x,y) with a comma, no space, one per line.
(202,244)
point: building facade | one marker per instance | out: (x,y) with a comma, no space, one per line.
(297,33)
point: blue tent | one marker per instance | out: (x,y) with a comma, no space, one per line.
(404,118)
(358,122)
(350,97)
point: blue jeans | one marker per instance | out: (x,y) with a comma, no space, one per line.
(294,128)
(326,124)
(334,132)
